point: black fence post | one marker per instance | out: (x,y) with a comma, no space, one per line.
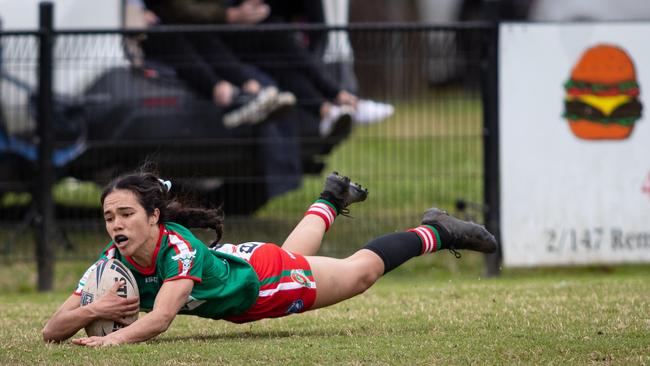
(44,220)
(490,88)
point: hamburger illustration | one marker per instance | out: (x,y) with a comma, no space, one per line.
(602,94)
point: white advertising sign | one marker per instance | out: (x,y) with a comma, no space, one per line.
(574,143)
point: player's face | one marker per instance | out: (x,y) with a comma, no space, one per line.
(128,224)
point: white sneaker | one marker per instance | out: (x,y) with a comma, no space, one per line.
(250,108)
(369,112)
(283,103)
(338,118)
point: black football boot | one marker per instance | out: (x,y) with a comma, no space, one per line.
(459,234)
(339,191)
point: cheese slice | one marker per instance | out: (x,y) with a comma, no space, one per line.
(606,104)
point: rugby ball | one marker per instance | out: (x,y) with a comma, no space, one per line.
(99,282)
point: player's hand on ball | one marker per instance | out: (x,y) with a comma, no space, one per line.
(114,307)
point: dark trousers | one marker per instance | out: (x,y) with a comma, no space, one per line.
(295,69)
(201,59)
(197,60)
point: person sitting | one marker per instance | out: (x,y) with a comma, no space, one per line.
(279,55)
(208,66)
(333,48)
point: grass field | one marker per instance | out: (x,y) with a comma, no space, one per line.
(435,310)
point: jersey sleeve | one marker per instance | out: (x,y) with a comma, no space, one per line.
(84,278)
(107,253)
(184,259)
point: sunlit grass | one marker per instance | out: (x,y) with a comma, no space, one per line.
(420,314)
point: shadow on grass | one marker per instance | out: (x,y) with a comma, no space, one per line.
(252,335)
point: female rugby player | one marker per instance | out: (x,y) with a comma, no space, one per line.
(176,273)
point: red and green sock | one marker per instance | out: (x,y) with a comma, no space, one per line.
(431,237)
(325,210)
(395,249)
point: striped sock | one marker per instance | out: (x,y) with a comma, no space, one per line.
(323,209)
(430,238)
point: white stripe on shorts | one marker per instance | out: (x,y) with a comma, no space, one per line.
(285,286)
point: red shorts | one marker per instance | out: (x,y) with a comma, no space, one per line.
(287,285)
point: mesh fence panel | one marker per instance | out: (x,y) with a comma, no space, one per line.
(115,108)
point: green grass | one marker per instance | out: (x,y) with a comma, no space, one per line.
(433,310)
(428,152)
(424,313)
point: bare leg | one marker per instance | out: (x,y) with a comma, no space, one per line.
(340,279)
(306,237)
(338,193)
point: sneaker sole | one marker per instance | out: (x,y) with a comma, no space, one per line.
(281,106)
(253,112)
(342,129)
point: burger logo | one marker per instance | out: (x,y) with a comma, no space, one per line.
(602,95)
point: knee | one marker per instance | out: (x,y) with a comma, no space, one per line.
(365,279)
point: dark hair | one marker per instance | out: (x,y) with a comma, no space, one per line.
(152,193)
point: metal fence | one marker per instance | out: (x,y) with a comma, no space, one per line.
(113,107)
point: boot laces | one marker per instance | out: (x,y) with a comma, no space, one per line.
(456,253)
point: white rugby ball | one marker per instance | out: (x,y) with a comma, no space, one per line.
(99,282)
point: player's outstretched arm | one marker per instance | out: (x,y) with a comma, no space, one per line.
(71,316)
(170,299)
